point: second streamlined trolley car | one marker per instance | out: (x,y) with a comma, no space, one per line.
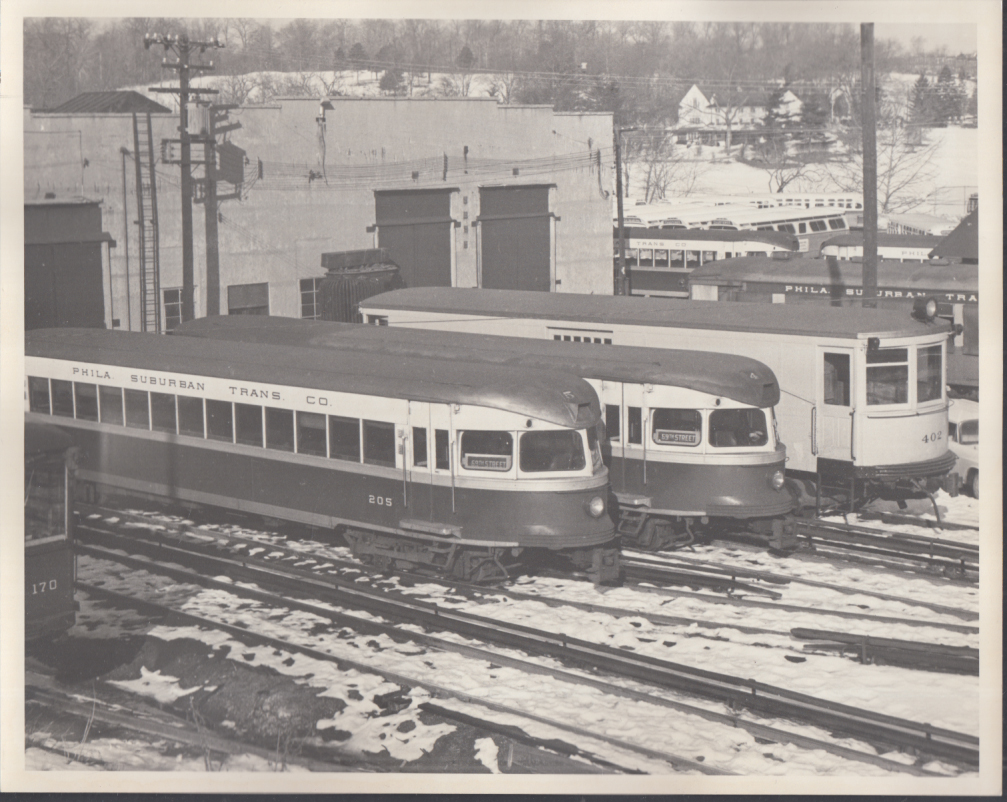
(454,467)
(49,565)
(689,437)
(863,401)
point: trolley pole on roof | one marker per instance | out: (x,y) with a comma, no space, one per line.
(622,287)
(869,120)
(183,47)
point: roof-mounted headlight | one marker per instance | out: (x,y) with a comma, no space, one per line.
(925,309)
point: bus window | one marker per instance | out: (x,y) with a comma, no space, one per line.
(836,223)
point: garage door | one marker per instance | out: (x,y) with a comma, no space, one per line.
(515,238)
(415,226)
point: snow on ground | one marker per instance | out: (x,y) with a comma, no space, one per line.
(163,688)
(486,753)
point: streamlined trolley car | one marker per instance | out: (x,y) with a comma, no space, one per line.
(862,404)
(49,566)
(454,467)
(689,437)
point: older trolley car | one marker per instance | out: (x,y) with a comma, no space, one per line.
(689,435)
(660,261)
(454,467)
(901,284)
(862,402)
(49,567)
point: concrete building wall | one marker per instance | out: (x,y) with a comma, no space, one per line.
(317,188)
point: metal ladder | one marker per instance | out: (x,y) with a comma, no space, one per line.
(146,204)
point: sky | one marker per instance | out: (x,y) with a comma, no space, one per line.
(956,38)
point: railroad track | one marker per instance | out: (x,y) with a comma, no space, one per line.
(736,693)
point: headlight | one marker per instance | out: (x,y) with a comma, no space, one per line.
(925,309)
(777,480)
(596,507)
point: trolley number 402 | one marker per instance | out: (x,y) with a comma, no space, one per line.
(381,501)
(933,437)
(43,586)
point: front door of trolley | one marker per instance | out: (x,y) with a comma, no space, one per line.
(416,448)
(835,405)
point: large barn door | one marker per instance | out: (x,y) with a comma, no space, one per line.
(515,236)
(415,226)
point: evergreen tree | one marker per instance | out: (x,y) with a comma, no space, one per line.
(922,101)
(465,61)
(391,82)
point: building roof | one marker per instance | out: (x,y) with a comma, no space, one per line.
(737,377)
(742,96)
(963,242)
(803,320)
(118,102)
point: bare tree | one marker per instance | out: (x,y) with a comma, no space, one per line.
(666,170)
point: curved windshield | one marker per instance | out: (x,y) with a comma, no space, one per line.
(738,427)
(552,451)
(677,427)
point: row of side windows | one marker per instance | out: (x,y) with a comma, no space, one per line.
(310,433)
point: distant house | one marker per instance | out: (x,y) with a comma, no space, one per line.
(745,109)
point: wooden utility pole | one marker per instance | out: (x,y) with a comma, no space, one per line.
(183,47)
(870,134)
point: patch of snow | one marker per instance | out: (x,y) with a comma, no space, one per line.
(163,688)
(486,752)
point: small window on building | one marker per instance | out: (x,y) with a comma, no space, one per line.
(310,302)
(379,443)
(248,299)
(162,413)
(172,308)
(38,395)
(280,429)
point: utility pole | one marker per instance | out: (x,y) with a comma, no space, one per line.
(183,47)
(622,278)
(869,121)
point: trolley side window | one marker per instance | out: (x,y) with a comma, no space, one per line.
(138,410)
(888,376)
(836,378)
(111,405)
(677,427)
(248,424)
(594,437)
(634,425)
(738,427)
(162,413)
(612,421)
(487,451)
(552,451)
(219,421)
(38,395)
(442,449)
(344,438)
(379,443)
(85,398)
(280,429)
(928,373)
(420,459)
(311,434)
(190,416)
(62,398)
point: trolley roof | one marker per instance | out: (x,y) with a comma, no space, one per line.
(803,320)
(921,277)
(780,238)
(557,397)
(739,378)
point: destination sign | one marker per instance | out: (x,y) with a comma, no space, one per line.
(483,462)
(675,437)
